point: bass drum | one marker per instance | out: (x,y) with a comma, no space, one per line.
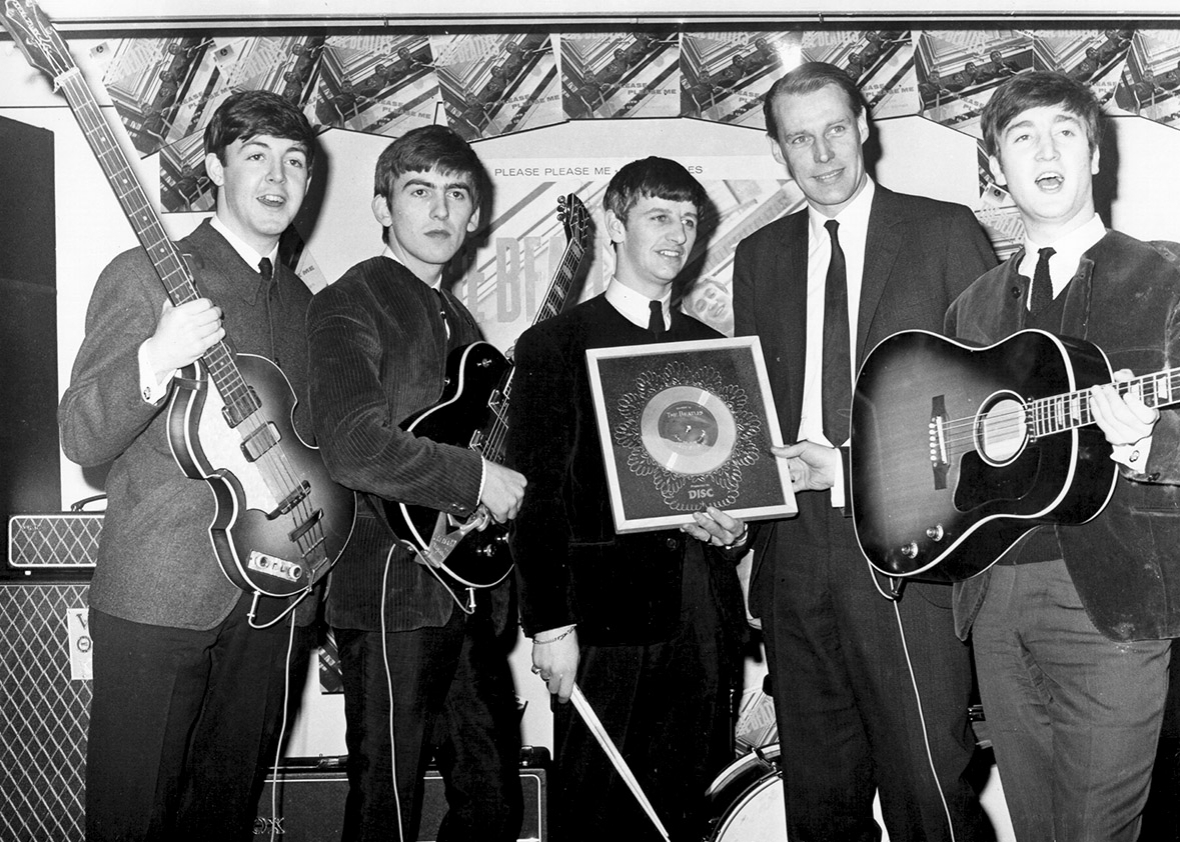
(746,801)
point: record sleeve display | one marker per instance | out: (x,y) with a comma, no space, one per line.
(685,425)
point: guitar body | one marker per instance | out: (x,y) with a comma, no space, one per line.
(260,548)
(946,474)
(475,373)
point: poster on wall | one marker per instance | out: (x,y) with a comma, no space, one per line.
(498,84)
(880,61)
(725,74)
(621,74)
(377,84)
(506,275)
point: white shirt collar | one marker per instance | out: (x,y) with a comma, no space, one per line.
(1067,255)
(854,216)
(634,305)
(244,249)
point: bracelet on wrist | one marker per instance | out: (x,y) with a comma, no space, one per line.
(555,638)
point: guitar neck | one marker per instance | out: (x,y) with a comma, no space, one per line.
(493,443)
(1059,413)
(173,270)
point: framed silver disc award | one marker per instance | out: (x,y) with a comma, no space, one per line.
(685,425)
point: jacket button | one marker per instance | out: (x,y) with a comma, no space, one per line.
(671,543)
(1015,292)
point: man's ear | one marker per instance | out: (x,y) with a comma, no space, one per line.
(776,151)
(215,169)
(381,211)
(616,229)
(993,163)
(473,223)
(1094,162)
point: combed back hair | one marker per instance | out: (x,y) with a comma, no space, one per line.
(1036,89)
(808,78)
(248,114)
(424,149)
(654,178)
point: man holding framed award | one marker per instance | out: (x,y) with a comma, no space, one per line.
(649,624)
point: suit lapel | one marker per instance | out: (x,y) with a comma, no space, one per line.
(882,246)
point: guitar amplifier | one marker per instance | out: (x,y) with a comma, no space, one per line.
(45,673)
(312,791)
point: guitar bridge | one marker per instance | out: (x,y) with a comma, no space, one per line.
(939,459)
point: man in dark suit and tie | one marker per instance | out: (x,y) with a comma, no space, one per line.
(650,624)
(821,288)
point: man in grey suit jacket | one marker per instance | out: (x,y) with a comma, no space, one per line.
(843,672)
(188,693)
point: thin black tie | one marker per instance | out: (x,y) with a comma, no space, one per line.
(1042,288)
(266,270)
(655,320)
(837,360)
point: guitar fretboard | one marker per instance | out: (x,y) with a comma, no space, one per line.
(1060,413)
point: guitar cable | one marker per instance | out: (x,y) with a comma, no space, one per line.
(401,834)
(897,586)
(466,609)
(274,789)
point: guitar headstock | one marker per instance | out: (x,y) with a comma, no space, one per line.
(574,217)
(35,36)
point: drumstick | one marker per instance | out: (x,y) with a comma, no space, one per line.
(595,725)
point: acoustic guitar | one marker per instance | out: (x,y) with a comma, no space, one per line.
(957,452)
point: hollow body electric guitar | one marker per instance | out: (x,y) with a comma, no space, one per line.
(280,520)
(473,413)
(958,452)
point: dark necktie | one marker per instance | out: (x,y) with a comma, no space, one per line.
(1042,288)
(265,269)
(655,319)
(837,361)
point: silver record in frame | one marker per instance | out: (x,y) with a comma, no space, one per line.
(685,425)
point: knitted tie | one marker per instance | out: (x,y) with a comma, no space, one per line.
(1042,288)
(655,320)
(837,360)
(265,269)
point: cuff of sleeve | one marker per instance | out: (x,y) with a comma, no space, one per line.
(839,490)
(483,477)
(152,391)
(1133,456)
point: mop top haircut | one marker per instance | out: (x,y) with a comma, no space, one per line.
(426,148)
(1037,89)
(655,178)
(249,114)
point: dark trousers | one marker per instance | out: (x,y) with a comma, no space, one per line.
(184,725)
(849,724)
(452,693)
(668,707)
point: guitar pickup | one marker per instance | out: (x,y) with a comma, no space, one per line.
(939,460)
(260,441)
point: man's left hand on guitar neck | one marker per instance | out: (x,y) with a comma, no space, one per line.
(1125,420)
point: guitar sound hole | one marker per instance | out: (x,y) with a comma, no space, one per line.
(1001,430)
